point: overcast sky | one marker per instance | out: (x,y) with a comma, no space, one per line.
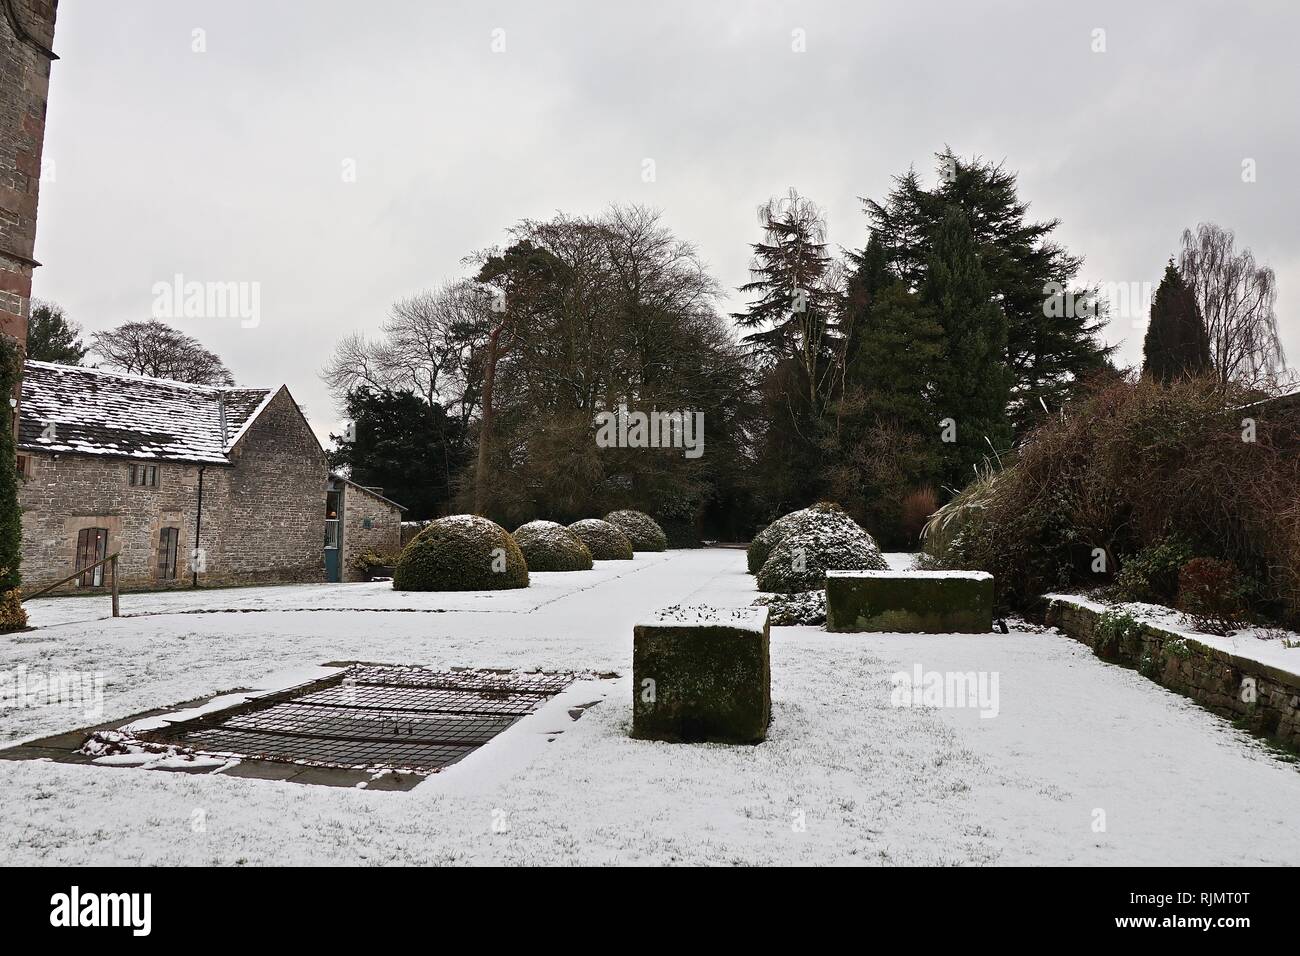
(230,164)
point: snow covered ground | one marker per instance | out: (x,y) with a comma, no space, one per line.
(845,776)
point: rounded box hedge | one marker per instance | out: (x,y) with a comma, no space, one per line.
(641,529)
(461,553)
(604,540)
(549,546)
(800,548)
(824,515)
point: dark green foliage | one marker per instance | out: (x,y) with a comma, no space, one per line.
(605,541)
(973,383)
(548,546)
(794,553)
(11,527)
(52,336)
(886,422)
(800,560)
(794,310)
(642,530)
(767,539)
(681,534)
(1177,344)
(1152,573)
(461,553)
(1048,351)
(402,444)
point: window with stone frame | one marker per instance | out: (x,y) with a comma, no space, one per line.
(92,546)
(144,476)
(168,541)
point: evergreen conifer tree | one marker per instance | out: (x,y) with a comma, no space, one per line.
(1177,344)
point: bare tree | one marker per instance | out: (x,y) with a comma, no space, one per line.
(430,345)
(156,349)
(1236,298)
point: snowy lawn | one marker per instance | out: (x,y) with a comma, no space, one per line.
(844,777)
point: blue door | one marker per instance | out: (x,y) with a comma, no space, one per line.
(333,536)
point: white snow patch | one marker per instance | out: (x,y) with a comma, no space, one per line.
(908,574)
(703,615)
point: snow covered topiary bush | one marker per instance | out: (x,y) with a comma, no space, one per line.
(800,560)
(548,546)
(461,553)
(803,607)
(603,540)
(641,529)
(824,514)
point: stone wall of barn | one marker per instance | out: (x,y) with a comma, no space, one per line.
(264,519)
(24,88)
(263,516)
(63,494)
(383,536)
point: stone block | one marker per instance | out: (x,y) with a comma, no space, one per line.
(910,602)
(702,674)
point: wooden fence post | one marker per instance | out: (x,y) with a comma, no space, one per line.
(114,569)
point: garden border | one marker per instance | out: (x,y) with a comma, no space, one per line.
(1212,677)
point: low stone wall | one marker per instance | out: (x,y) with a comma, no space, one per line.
(1261,698)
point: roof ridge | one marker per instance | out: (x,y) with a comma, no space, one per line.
(137,377)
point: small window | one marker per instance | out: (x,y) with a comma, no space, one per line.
(24,466)
(168,539)
(92,546)
(144,476)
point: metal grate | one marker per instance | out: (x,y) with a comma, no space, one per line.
(372,717)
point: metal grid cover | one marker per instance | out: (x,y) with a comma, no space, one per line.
(372,717)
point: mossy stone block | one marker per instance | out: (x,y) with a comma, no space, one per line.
(910,602)
(702,674)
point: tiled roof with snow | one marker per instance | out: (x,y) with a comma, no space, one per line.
(95,412)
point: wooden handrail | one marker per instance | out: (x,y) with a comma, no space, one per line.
(111,559)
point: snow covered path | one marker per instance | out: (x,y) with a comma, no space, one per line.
(871,783)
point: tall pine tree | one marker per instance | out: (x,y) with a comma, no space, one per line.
(1177,344)
(1048,351)
(793,317)
(973,380)
(797,301)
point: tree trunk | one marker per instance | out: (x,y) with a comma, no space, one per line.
(485,428)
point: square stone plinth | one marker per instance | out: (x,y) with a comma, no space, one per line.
(702,674)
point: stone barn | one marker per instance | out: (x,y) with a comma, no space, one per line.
(192,485)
